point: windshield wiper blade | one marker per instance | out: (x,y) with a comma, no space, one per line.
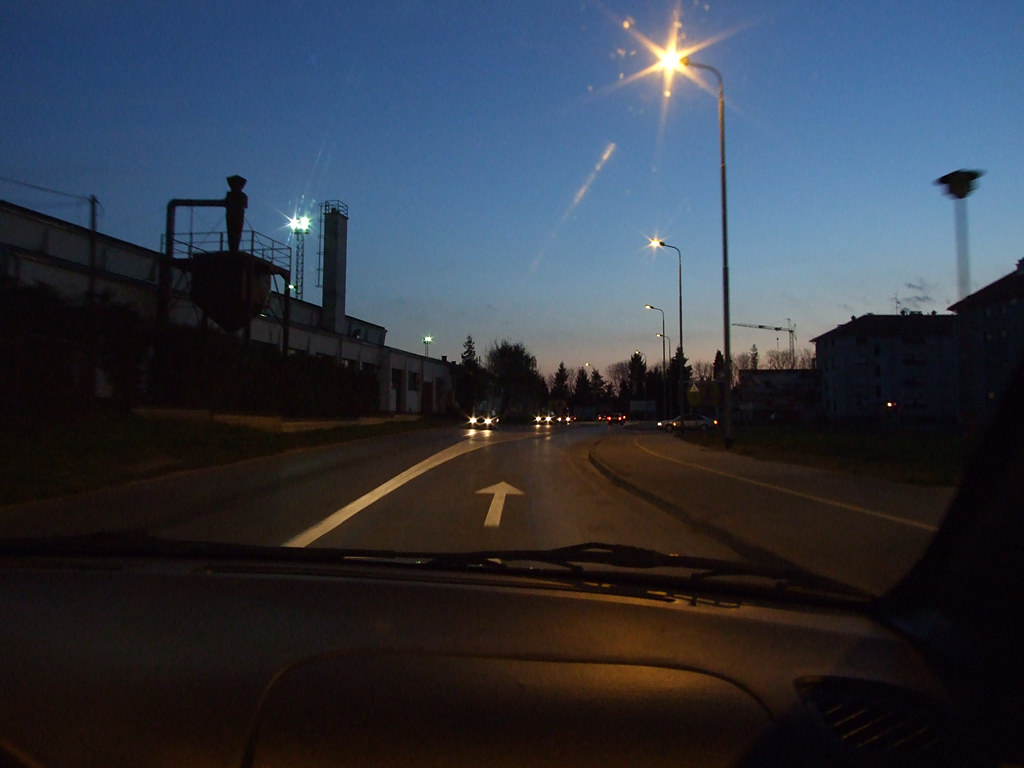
(623,556)
(622,560)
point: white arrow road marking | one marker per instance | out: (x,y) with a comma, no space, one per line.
(328,524)
(500,491)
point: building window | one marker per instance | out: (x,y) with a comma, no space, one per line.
(414,382)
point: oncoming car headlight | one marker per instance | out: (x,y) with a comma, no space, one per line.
(488,421)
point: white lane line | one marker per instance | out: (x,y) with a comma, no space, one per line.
(328,524)
(500,491)
(791,492)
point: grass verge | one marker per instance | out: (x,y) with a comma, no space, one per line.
(921,458)
(106,450)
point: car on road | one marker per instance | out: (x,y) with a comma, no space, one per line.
(482,422)
(551,419)
(690,421)
(612,418)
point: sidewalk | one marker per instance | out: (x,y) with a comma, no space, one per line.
(862,531)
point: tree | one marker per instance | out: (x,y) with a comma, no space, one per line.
(754,357)
(515,377)
(560,383)
(780,360)
(618,377)
(805,359)
(673,380)
(742,362)
(598,386)
(470,378)
(637,375)
(718,366)
(703,370)
(582,394)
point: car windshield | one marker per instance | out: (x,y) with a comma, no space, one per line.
(645,280)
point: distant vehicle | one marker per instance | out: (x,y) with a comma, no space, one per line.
(551,418)
(482,422)
(612,418)
(691,421)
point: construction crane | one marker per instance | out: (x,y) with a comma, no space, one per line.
(790,328)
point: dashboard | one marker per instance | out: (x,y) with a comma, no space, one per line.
(185,661)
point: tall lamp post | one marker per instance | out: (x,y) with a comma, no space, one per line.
(664,378)
(299,226)
(664,363)
(685,62)
(663,244)
(959,184)
(427,341)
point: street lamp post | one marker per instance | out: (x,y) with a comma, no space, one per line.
(664,363)
(427,341)
(664,378)
(685,61)
(679,253)
(959,184)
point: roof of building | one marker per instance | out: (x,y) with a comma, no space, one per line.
(1004,289)
(882,326)
(70,225)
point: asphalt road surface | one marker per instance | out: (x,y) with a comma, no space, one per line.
(437,490)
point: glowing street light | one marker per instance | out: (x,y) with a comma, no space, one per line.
(299,225)
(427,341)
(668,61)
(684,63)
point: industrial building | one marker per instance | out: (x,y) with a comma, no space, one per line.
(890,367)
(75,261)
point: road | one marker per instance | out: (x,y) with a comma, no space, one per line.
(516,487)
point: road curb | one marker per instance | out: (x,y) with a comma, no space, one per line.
(741,547)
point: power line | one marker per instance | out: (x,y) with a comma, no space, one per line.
(86,198)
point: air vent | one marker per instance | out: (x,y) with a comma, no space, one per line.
(881,725)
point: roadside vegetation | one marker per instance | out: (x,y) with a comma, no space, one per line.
(108,449)
(906,456)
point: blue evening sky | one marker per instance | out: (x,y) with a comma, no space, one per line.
(460,133)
